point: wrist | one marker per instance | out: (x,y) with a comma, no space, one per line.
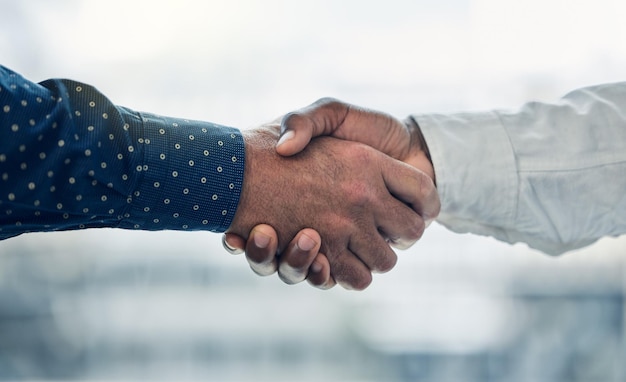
(259,182)
(419,156)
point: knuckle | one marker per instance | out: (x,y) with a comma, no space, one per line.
(386,262)
(428,191)
(358,192)
(327,101)
(293,119)
(415,230)
(362,153)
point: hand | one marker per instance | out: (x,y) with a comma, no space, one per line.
(331,117)
(344,190)
(328,116)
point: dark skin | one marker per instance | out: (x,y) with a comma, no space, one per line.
(305,257)
(355,197)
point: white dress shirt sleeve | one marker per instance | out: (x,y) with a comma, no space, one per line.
(550,175)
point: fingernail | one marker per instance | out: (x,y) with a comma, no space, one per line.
(305,243)
(285,137)
(261,240)
(229,248)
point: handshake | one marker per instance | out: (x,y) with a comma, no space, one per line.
(325,192)
(329,209)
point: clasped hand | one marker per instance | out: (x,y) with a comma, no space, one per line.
(330,213)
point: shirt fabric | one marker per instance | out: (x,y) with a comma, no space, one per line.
(71,159)
(550,175)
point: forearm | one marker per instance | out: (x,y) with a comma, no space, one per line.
(551,175)
(72,159)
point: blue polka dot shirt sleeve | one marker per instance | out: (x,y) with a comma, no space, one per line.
(71,159)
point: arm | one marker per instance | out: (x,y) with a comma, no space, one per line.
(550,175)
(93,164)
(71,159)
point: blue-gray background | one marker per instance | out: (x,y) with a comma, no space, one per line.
(116,305)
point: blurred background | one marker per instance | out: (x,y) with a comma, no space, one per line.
(117,305)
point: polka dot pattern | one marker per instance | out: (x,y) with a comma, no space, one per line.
(70,159)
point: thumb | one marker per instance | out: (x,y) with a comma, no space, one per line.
(322,117)
(291,143)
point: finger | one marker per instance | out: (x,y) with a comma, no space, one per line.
(411,186)
(233,244)
(261,250)
(329,116)
(319,273)
(322,117)
(399,224)
(296,260)
(372,249)
(349,271)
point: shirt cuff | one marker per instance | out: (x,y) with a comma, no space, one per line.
(191,176)
(475,169)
